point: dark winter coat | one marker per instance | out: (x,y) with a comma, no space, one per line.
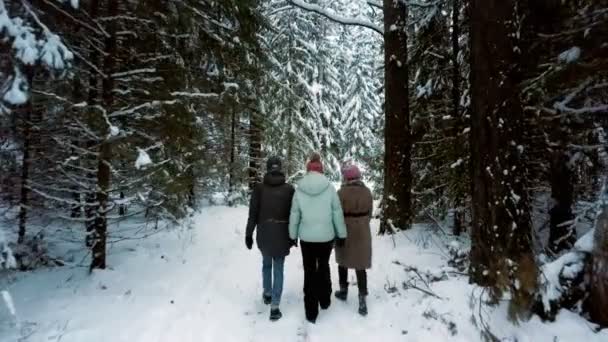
(357,204)
(269,210)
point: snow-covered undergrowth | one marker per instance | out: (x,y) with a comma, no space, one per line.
(202,284)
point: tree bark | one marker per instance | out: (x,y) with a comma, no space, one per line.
(28,109)
(90,208)
(255,149)
(105,149)
(396,204)
(501,252)
(456,94)
(78,96)
(562,233)
(231,171)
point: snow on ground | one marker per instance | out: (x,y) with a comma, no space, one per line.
(202,284)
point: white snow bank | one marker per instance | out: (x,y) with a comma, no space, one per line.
(564,266)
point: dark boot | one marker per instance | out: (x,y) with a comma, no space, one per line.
(275,314)
(342,293)
(267,299)
(362,306)
(325,305)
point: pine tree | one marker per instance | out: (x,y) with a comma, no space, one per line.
(501,250)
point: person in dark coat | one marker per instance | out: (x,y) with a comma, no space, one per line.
(356,253)
(269,211)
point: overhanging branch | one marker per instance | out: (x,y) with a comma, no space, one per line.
(335,17)
(373,3)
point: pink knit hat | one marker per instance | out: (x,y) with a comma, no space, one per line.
(315,163)
(351,172)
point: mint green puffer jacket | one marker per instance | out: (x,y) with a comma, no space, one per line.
(316,213)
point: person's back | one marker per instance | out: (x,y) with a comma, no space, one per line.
(269,211)
(273,214)
(316,199)
(317,220)
(356,253)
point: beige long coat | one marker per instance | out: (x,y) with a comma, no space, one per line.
(357,204)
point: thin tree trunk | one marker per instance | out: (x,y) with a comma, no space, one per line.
(290,111)
(105,148)
(77,95)
(562,234)
(101,222)
(255,149)
(231,176)
(90,208)
(25,167)
(397,136)
(501,251)
(458,210)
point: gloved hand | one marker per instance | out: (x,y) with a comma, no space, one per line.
(340,242)
(249,242)
(293,243)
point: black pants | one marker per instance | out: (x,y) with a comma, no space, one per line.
(317,279)
(361,279)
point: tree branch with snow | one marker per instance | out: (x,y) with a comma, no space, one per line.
(331,15)
(30,47)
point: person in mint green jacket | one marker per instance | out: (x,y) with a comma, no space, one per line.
(317,220)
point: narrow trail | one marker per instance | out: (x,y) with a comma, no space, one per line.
(202,284)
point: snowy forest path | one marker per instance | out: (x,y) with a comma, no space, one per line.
(201,284)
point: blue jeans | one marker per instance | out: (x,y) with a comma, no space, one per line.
(273,267)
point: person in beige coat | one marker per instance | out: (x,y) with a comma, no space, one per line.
(356,252)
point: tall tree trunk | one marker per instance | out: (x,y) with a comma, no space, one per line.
(255,149)
(90,208)
(105,149)
(562,233)
(78,96)
(501,251)
(396,204)
(459,203)
(231,171)
(290,109)
(28,109)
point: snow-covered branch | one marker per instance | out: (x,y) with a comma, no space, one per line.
(133,72)
(563,106)
(335,17)
(142,106)
(193,94)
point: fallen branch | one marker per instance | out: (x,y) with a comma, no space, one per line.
(408,285)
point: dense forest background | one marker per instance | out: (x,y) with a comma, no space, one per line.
(481,117)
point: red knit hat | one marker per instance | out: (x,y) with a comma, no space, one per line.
(315,163)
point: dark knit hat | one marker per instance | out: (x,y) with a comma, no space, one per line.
(274,164)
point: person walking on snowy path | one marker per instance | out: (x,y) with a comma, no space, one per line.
(317,220)
(356,253)
(269,211)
